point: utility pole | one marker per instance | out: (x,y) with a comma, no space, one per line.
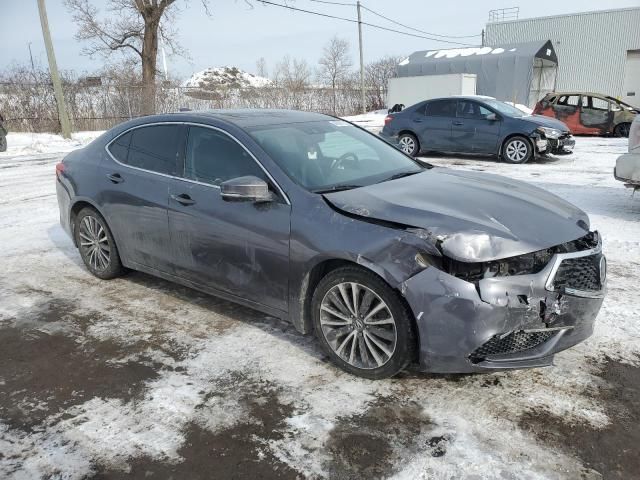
(65,125)
(363,99)
(483,37)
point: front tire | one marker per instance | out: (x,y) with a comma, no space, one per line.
(96,245)
(362,323)
(622,130)
(517,150)
(409,144)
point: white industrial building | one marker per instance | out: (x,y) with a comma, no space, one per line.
(597,51)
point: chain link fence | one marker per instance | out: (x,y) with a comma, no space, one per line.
(31,107)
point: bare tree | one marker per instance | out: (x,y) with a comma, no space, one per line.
(294,75)
(335,65)
(132,27)
(377,75)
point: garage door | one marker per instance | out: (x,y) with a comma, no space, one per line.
(632,78)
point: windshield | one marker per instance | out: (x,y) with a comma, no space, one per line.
(332,154)
(505,108)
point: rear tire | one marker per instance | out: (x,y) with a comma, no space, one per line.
(622,130)
(517,149)
(362,323)
(96,245)
(409,144)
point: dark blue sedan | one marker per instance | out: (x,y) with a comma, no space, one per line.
(477,125)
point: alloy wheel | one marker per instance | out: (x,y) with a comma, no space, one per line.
(94,243)
(517,151)
(358,325)
(407,144)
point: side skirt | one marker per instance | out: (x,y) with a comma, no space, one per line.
(274,312)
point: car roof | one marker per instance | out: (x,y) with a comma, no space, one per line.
(590,94)
(244,117)
(463,97)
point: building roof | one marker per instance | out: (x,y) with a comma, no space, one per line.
(540,49)
(574,14)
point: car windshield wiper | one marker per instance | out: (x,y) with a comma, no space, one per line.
(399,175)
(336,188)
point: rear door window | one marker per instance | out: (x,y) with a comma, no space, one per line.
(441,108)
(471,110)
(156,148)
(569,100)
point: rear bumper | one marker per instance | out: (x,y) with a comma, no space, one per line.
(627,169)
(456,322)
(64,206)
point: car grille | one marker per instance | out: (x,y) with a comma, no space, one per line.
(519,341)
(581,273)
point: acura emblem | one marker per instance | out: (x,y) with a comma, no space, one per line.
(603,270)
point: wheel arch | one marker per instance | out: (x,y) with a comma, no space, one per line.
(77,205)
(302,317)
(516,134)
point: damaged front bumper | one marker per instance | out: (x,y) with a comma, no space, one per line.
(506,322)
(563,145)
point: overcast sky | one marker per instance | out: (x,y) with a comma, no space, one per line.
(238,35)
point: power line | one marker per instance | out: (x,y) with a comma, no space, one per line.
(372,25)
(415,29)
(327,2)
(334,3)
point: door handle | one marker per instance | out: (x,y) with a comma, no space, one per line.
(458,123)
(417,120)
(115,177)
(183,199)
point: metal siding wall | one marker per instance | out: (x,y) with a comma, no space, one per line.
(591,47)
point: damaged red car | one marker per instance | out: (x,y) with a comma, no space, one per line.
(588,113)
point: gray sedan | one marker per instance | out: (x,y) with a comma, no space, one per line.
(476,125)
(314,220)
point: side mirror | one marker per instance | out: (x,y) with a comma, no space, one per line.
(248,188)
(492,117)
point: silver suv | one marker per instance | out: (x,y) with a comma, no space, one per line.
(627,167)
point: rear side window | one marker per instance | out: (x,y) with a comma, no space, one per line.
(120,147)
(441,108)
(154,148)
(213,157)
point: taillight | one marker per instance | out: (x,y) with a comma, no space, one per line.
(59,168)
(388,119)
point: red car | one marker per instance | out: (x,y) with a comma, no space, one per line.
(588,113)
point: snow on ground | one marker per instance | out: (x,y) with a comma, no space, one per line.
(371,120)
(138,376)
(31,143)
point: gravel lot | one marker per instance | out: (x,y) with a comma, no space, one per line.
(140,378)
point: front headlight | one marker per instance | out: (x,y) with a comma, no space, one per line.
(552,133)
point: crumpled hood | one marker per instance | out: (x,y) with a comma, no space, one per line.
(544,121)
(474,217)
